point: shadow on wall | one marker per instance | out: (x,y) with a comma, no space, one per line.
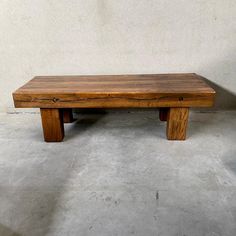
(222,71)
(225,100)
(5,231)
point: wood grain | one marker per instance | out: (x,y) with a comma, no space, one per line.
(172,93)
(177,121)
(115,91)
(52,122)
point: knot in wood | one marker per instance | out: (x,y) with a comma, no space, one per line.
(55,99)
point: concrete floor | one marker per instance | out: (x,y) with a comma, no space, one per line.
(116,174)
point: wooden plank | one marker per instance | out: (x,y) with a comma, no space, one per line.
(120,101)
(184,83)
(177,121)
(176,90)
(52,123)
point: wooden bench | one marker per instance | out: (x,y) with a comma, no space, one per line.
(174,94)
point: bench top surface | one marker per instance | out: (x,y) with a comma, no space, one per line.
(117,84)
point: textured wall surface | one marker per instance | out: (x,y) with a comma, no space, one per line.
(45,37)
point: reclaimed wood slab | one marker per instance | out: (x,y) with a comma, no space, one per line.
(174,94)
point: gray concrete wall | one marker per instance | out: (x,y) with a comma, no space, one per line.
(45,37)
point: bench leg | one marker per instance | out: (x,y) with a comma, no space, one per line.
(67,115)
(163,112)
(52,122)
(177,120)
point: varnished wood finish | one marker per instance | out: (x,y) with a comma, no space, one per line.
(52,122)
(67,115)
(177,121)
(116,91)
(163,112)
(172,93)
